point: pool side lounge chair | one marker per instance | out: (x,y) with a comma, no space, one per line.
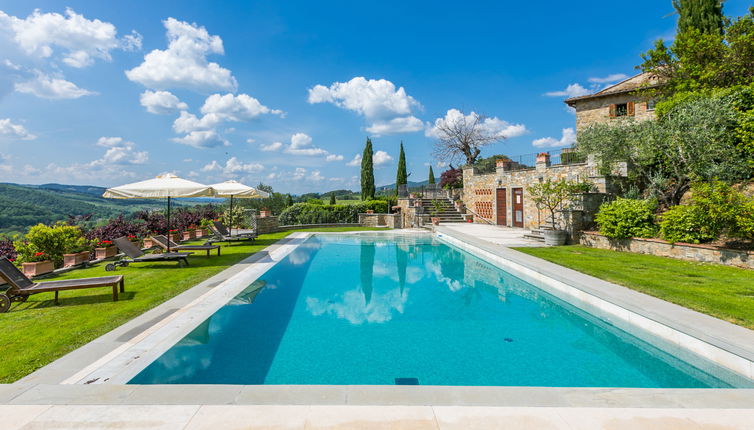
(21,287)
(136,255)
(221,234)
(162,241)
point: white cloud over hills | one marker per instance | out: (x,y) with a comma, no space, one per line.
(14,131)
(184,63)
(389,110)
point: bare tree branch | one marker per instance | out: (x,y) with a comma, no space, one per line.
(463,137)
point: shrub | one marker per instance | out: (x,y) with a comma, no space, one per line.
(451,178)
(714,210)
(307,213)
(119,227)
(52,241)
(685,223)
(625,218)
(7,249)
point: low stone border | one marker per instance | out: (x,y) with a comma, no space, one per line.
(681,251)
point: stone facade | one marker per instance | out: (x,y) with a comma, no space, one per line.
(682,251)
(480,193)
(614,103)
(266,224)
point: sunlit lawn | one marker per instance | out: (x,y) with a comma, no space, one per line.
(37,332)
(721,291)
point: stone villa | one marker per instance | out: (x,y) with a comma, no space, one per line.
(500,197)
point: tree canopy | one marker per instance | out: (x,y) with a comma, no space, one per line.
(367,172)
(703,15)
(401,177)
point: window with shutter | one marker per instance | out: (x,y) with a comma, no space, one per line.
(613,108)
(630,108)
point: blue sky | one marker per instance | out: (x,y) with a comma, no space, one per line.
(104,93)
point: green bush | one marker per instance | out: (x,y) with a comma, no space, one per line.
(625,218)
(53,241)
(684,223)
(714,210)
(307,213)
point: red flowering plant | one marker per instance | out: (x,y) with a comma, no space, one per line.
(36,257)
(103,244)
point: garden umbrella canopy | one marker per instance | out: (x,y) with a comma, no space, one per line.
(164,186)
(238,190)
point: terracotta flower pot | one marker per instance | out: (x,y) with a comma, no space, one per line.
(70,260)
(38,268)
(435,220)
(370,211)
(198,233)
(148,243)
(188,235)
(175,237)
(102,253)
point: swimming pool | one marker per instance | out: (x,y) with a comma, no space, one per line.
(390,309)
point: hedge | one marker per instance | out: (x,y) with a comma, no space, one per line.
(308,213)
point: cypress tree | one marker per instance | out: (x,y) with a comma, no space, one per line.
(704,15)
(367,172)
(431,175)
(332,199)
(401,177)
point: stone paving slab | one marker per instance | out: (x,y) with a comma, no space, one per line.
(284,417)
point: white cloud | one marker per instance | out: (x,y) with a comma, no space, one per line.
(233,167)
(81,39)
(14,131)
(188,122)
(408,124)
(238,108)
(609,78)
(573,90)
(567,139)
(161,102)
(334,157)
(202,139)
(356,161)
(389,110)
(48,87)
(316,176)
(119,152)
(184,63)
(299,174)
(491,126)
(381,158)
(272,147)
(301,144)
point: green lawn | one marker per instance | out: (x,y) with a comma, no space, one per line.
(37,332)
(721,291)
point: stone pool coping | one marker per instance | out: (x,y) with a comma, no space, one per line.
(45,387)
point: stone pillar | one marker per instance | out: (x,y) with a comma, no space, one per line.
(268,224)
(543,160)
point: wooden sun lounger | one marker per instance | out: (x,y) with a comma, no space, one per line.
(221,234)
(135,255)
(21,287)
(162,241)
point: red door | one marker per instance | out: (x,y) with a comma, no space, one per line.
(502,207)
(518,207)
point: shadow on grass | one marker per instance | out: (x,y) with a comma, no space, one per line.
(71,301)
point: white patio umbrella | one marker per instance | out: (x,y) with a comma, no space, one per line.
(238,190)
(164,186)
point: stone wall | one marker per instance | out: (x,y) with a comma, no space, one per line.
(681,251)
(267,224)
(380,220)
(479,191)
(597,110)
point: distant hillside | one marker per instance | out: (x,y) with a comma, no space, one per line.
(22,206)
(411,184)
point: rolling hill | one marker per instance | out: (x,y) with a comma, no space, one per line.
(22,206)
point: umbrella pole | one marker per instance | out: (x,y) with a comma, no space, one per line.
(168,224)
(230,218)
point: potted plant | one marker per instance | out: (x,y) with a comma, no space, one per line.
(189,233)
(77,252)
(552,195)
(437,207)
(174,235)
(104,249)
(37,263)
(148,242)
(204,227)
(134,239)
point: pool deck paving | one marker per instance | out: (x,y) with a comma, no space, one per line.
(56,396)
(494,234)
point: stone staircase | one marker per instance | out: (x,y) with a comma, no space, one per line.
(448,213)
(538,233)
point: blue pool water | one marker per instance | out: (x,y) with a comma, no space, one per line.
(383,309)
